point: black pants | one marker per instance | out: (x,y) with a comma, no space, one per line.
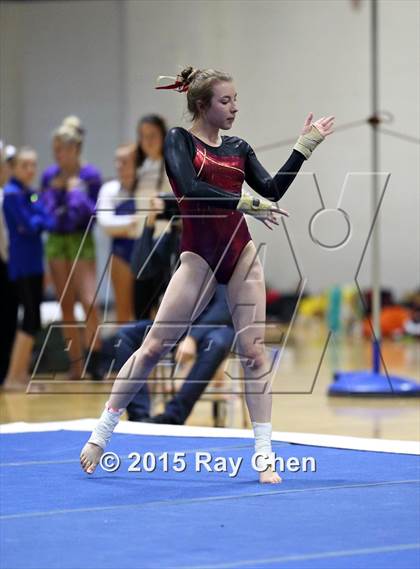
(146,295)
(211,351)
(8,311)
(29,291)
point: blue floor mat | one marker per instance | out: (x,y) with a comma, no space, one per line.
(359,509)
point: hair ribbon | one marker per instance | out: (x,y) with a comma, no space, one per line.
(177,85)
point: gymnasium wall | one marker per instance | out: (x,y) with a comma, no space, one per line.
(99,60)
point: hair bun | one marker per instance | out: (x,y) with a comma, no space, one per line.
(73,122)
(70,130)
(188,74)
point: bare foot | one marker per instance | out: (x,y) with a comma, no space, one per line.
(90,456)
(269,476)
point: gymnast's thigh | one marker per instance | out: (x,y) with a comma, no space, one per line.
(246,293)
(189,291)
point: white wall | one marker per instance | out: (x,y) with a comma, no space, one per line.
(10,73)
(100,60)
(70,61)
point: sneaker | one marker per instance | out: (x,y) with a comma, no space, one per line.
(164,418)
(137,417)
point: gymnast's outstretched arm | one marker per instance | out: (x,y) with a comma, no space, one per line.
(272,188)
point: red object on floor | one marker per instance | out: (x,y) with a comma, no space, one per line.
(392,321)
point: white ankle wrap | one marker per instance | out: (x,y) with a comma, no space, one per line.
(262,433)
(101,434)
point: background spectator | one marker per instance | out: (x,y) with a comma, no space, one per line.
(116,215)
(8,299)
(70,190)
(152,179)
(26,218)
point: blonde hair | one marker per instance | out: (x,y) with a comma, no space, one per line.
(126,150)
(25,151)
(200,86)
(70,131)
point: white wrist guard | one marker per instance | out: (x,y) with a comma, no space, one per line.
(306,143)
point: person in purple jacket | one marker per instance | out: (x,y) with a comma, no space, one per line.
(26,218)
(69,192)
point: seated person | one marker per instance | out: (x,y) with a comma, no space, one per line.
(208,342)
(208,345)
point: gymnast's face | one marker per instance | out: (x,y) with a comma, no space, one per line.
(66,154)
(223,107)
(25,167)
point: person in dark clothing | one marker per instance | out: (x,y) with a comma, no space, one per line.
(208,341)
(8,296)
(153,259)
(151,181)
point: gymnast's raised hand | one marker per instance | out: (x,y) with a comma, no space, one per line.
(313,133)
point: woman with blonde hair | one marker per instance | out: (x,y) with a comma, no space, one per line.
(70,190)
(207,171)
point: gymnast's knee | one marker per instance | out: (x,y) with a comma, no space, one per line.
(151,351)
(253,356)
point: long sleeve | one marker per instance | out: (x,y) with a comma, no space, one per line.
(80,209)
(114,224)
(71,209)
(26,219)
(4,239)
(260,180)
(178,153)
(54,202)
(91,176)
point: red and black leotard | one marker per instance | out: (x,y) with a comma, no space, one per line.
(207,182)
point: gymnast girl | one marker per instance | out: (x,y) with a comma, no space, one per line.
(207,171)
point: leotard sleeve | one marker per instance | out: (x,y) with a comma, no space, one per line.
(179,155)
(257,177)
